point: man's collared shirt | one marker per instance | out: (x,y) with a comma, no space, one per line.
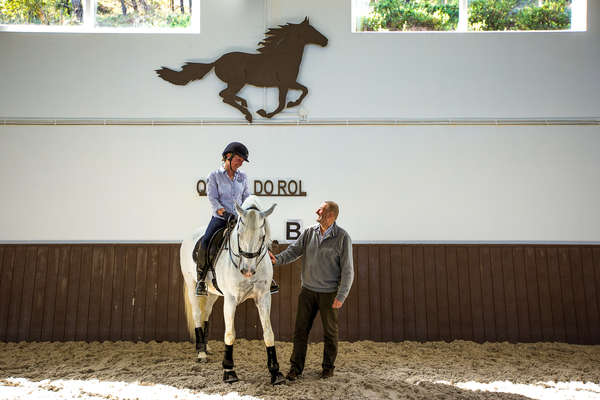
(224,193)
(326,263)
(326,234)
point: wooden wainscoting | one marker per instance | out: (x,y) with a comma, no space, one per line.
(516,293)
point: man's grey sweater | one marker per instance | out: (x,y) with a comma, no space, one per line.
(327,264)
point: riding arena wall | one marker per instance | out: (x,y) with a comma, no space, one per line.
(134,292)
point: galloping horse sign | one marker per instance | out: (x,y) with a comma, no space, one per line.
(277,65)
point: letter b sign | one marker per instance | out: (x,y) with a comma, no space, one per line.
(293,229)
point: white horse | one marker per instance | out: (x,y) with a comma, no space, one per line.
(243,271)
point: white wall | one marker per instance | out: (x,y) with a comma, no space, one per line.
(428,183)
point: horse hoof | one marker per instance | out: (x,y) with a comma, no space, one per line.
(230,377)
(277,379)
(202,358)
(262,113)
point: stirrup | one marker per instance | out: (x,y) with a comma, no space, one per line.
(274,287)
(201,288)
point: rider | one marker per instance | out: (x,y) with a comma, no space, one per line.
(226,186)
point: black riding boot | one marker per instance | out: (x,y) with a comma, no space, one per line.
(201,273)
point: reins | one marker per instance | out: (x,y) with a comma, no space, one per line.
(244,254)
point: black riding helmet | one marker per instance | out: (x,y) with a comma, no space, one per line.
(237,148)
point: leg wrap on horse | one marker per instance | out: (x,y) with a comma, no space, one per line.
(205,332)
(276,376)
(272,360)
(228,357)
(200,339)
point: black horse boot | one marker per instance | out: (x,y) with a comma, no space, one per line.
(274,287)
(201,271)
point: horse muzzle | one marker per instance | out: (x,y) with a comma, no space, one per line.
(247,273)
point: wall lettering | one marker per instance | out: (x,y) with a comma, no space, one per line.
(293,229)
(268,187)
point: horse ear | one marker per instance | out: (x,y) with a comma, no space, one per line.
(269,211)
(241,212)
(305,20)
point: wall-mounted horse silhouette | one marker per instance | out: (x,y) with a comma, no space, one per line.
(277,65)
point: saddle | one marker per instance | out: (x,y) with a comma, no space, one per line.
(215,245)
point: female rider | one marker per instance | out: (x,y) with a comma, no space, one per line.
(226,186)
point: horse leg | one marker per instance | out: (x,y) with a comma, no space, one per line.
(282,96)
(229,97)
(264,311)
(229,305)
(304,89)
(198,304)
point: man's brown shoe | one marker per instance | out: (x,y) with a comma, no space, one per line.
(292,375)
(326,373)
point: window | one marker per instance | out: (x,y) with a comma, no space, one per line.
(468,15)
(100,15)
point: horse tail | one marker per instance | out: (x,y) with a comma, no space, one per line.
(189,72)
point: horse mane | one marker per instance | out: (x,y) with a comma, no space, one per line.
(275,37)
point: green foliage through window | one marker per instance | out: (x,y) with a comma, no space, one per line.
(416,15)
(109,13)
(507,15)
(483,15)
(46,12)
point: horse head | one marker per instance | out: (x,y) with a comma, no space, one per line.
(253,238)
(310,35)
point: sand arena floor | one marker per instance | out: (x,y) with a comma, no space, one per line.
(408,370)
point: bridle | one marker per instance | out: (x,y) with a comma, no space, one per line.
(244,254)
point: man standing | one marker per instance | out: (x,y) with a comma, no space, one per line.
(327,275)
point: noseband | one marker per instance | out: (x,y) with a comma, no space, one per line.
(244,254)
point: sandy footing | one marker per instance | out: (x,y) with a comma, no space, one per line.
(408,370)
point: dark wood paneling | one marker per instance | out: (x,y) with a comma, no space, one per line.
(162,294)
(25,314)
(119,281)
(487,287)
(401,292)
(6,283)
(362,289)
(442,292)
(522,319)
(579,295)
(73,293)
(533,299)
(591,293)
(95,293)
(396,287)
(420,294)
(476,295)
(175,295)
(541,262)
(464,290)
(50,294)
(374,293)
(566,284)
(510,295)
(106,296)
(558,318)
(83,297)
(387,302)
(453,292)
(431,302)
(62,293)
